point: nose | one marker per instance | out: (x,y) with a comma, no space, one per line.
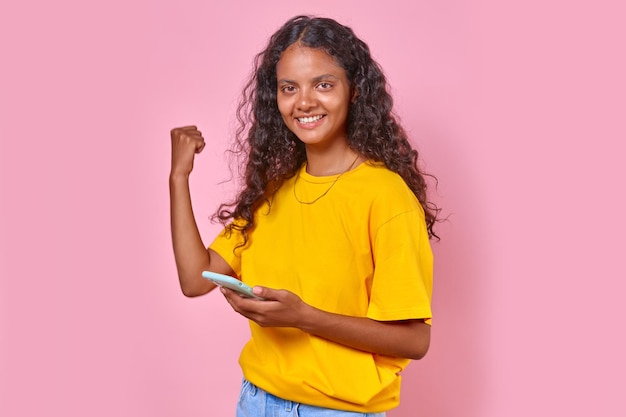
(306,99)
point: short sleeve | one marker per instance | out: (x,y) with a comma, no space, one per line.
(226,244)
(403,272)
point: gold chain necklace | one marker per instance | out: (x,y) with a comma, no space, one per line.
(327,190)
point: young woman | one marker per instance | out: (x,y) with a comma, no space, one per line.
(331,228)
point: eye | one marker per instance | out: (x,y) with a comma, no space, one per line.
(324,86)
(288,89)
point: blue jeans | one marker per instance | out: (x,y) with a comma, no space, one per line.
(254,402)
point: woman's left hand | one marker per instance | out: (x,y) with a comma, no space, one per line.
(280,308)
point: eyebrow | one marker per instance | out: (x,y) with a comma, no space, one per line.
(315,79)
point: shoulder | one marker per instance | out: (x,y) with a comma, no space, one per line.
(386,185)
(382,193)
(378,173)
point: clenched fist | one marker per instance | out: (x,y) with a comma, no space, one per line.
(186,142)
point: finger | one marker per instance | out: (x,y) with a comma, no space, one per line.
(227,293)
(260,291)
(193,133)
(179,132)
(189,138)
(233,297)
(190,135)
(228,296)
(266,293)
(186,129)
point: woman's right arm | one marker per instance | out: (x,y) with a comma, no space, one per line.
(192,257)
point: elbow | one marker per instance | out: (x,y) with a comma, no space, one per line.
(418,348)
(192,291)
(418,353)
(192,286)
(189,293)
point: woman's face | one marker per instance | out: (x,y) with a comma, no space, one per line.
(313,96)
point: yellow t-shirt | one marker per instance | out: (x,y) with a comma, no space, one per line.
(360,250)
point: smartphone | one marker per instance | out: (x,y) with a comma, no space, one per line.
(231,283)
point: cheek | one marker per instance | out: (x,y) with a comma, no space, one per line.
(286,117)
(285,114)
(284,107)
(336,103)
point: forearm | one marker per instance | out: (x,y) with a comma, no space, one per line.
(406,339)
(281,308)
(190,253)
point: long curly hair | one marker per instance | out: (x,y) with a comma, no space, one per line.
(270,153)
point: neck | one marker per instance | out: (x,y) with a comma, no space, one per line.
(325,164)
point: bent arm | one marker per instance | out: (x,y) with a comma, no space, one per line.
(406,339)
(189,252)
(281,308)
(191,256)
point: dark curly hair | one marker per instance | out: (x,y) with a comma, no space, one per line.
(271,153)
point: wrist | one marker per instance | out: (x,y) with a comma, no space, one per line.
(311,317)
(178,177)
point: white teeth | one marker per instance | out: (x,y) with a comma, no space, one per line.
(309,119)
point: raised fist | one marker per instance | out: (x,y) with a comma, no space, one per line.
(186,142)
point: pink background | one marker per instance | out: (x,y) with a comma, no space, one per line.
(517,107)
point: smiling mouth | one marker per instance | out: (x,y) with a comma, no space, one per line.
(311,119)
